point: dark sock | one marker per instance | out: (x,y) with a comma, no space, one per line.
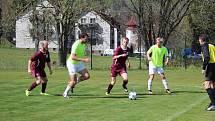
(110,86)
(211,94)
(33,85)
(124,84)
(43,87)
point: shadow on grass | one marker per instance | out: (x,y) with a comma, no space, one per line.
(117,96)
(186,91)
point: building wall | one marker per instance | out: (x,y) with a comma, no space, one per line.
(131,34)
(23,36)
(24,39)
(105,30)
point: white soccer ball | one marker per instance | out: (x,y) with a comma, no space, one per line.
(132,95)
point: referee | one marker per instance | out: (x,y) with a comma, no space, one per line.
(208,69)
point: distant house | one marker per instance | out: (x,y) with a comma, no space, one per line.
(24,29)
(103,31)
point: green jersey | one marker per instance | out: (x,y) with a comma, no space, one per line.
(158,55)
(78,49)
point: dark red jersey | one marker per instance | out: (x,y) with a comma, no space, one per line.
(39,60)
(120,62)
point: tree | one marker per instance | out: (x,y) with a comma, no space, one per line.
(201,21)
(10,11)
(66,15)
(158,17)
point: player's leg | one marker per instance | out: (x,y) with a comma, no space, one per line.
(114,73)
(85,75)
(44,84)
(151,77)
(70,85)
(72,69)
(125,81)
(152,71)
(163,79)
(111,84)
(37,81)
(165,82)
(209,86)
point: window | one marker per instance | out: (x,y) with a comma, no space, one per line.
(92,20)
(83,20)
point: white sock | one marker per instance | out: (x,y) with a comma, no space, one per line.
(77,80)
(149,84)
(67,89)
(165,84)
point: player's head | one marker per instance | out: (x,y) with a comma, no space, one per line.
(159,41)
(44,44)
(83,37)
(124,41)
(202,39)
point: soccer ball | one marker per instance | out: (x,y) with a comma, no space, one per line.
(132,95)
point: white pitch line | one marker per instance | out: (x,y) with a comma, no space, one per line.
(186,109)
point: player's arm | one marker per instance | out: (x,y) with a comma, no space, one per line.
(205,51)
(33,58)
(49,66)
(48,60)
(166,57)
(29,66)
(74,57)
(117,55)
(129,64)
(166,60)
(148,54)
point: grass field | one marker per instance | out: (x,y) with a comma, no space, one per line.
(89,102)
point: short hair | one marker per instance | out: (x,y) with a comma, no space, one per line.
(203,37)
(83,35)
(41,44)
(124,38)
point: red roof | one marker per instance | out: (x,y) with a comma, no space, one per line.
(131,23)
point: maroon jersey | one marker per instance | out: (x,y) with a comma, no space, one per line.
(120,62)
(39,60)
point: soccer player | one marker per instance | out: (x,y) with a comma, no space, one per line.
(75,64)
(156,55)
(36,66)
(119,65)
(208,69)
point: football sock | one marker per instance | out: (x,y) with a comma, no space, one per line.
(110,86)
(165,84)
(44,87)
(67,89)
(80,79)
(211,95)
(149,84)
(125,82)
(33,85)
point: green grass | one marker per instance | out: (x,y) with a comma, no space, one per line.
(89,103)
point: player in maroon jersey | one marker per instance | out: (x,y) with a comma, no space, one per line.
(36,66)
(119,65)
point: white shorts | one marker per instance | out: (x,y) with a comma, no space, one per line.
(74,68)
(154,70)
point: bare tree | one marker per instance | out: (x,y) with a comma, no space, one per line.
(158,17)
(66,15)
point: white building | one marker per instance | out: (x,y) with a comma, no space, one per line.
(105,34)
(131,33)
(103,28)
(24,27)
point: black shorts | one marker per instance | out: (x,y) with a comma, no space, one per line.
(210,72)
